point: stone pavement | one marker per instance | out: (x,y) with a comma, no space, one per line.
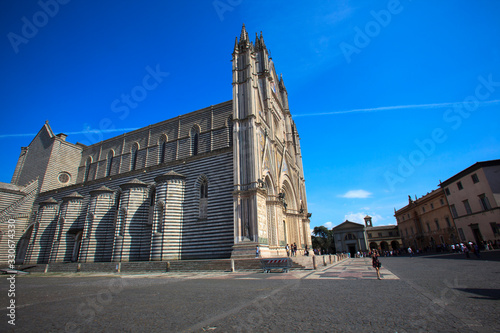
(422,294)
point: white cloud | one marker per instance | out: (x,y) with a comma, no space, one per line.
(356,194)
(329,225)
(401,107)
(360,218)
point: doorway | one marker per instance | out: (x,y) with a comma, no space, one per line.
(76,247)
(352,250)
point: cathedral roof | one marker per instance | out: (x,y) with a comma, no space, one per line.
(10,187)
(101,189)
(49,201)
(134,183)
(74,195)
(169,175)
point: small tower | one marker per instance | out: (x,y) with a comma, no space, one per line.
(368,221)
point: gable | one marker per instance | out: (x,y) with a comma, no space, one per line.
(348,225)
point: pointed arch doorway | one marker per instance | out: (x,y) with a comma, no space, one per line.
(76,247)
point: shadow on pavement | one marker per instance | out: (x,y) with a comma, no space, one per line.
(487,294)
(487,255)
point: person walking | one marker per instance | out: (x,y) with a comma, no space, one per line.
(376,263)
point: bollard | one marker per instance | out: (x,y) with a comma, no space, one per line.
(324,260)
(232,265)
(315,266)
(46,268)
(330,258)
(168,266)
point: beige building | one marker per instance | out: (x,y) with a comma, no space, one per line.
(474,197)
(352,237)
(426,222)
(383,238)
(212,183)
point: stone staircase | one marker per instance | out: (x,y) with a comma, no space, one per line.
(302,262)
(31,191)
(145,266)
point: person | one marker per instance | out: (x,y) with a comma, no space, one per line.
(376,263)
(476,251)
(466,251)
(294,249)
(257,251)
(410,251)
(306,251)
(287,250)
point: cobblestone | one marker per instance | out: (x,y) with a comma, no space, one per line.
(421,294)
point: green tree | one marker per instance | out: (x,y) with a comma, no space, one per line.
(323,239)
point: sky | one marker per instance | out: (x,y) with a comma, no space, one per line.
(389,97)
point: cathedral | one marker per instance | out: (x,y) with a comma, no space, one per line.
(214,183)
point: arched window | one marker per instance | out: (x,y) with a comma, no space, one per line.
(195,137)
(60,229)
(87,169)
(350,237)
(117,200)
(162,147)
(203,198)
(158,217)
(133,159)
(111,154)
(152,195)
(120,222)
(90,222)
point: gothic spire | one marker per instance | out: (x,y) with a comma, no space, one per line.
(236,44)
(244,33)
(262,41)
(257,41)
(282,83)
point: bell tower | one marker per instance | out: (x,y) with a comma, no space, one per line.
(368,221)
(245,162)
(270,207)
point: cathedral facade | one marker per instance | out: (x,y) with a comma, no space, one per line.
(214,183)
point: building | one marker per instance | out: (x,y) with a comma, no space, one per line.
(213,183)
(383,238)
(426,222)
(474,196)
(350,237)
(353,237)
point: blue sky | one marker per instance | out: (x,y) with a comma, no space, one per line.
(389,97)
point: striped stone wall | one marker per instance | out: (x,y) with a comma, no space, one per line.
(71,222)
(43,234)
(133,198)
(98,233)
(133,228)
(213,125)
(168,217)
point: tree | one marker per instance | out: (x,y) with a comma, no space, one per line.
(323,239)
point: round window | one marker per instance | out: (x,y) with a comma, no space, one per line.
(64,177)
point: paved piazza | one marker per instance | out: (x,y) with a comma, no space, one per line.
(446,293)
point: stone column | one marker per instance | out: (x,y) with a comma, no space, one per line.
(67,227)
(97,241)
(133,231)
(43,233)
(168,216)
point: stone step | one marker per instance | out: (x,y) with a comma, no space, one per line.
(149,266)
